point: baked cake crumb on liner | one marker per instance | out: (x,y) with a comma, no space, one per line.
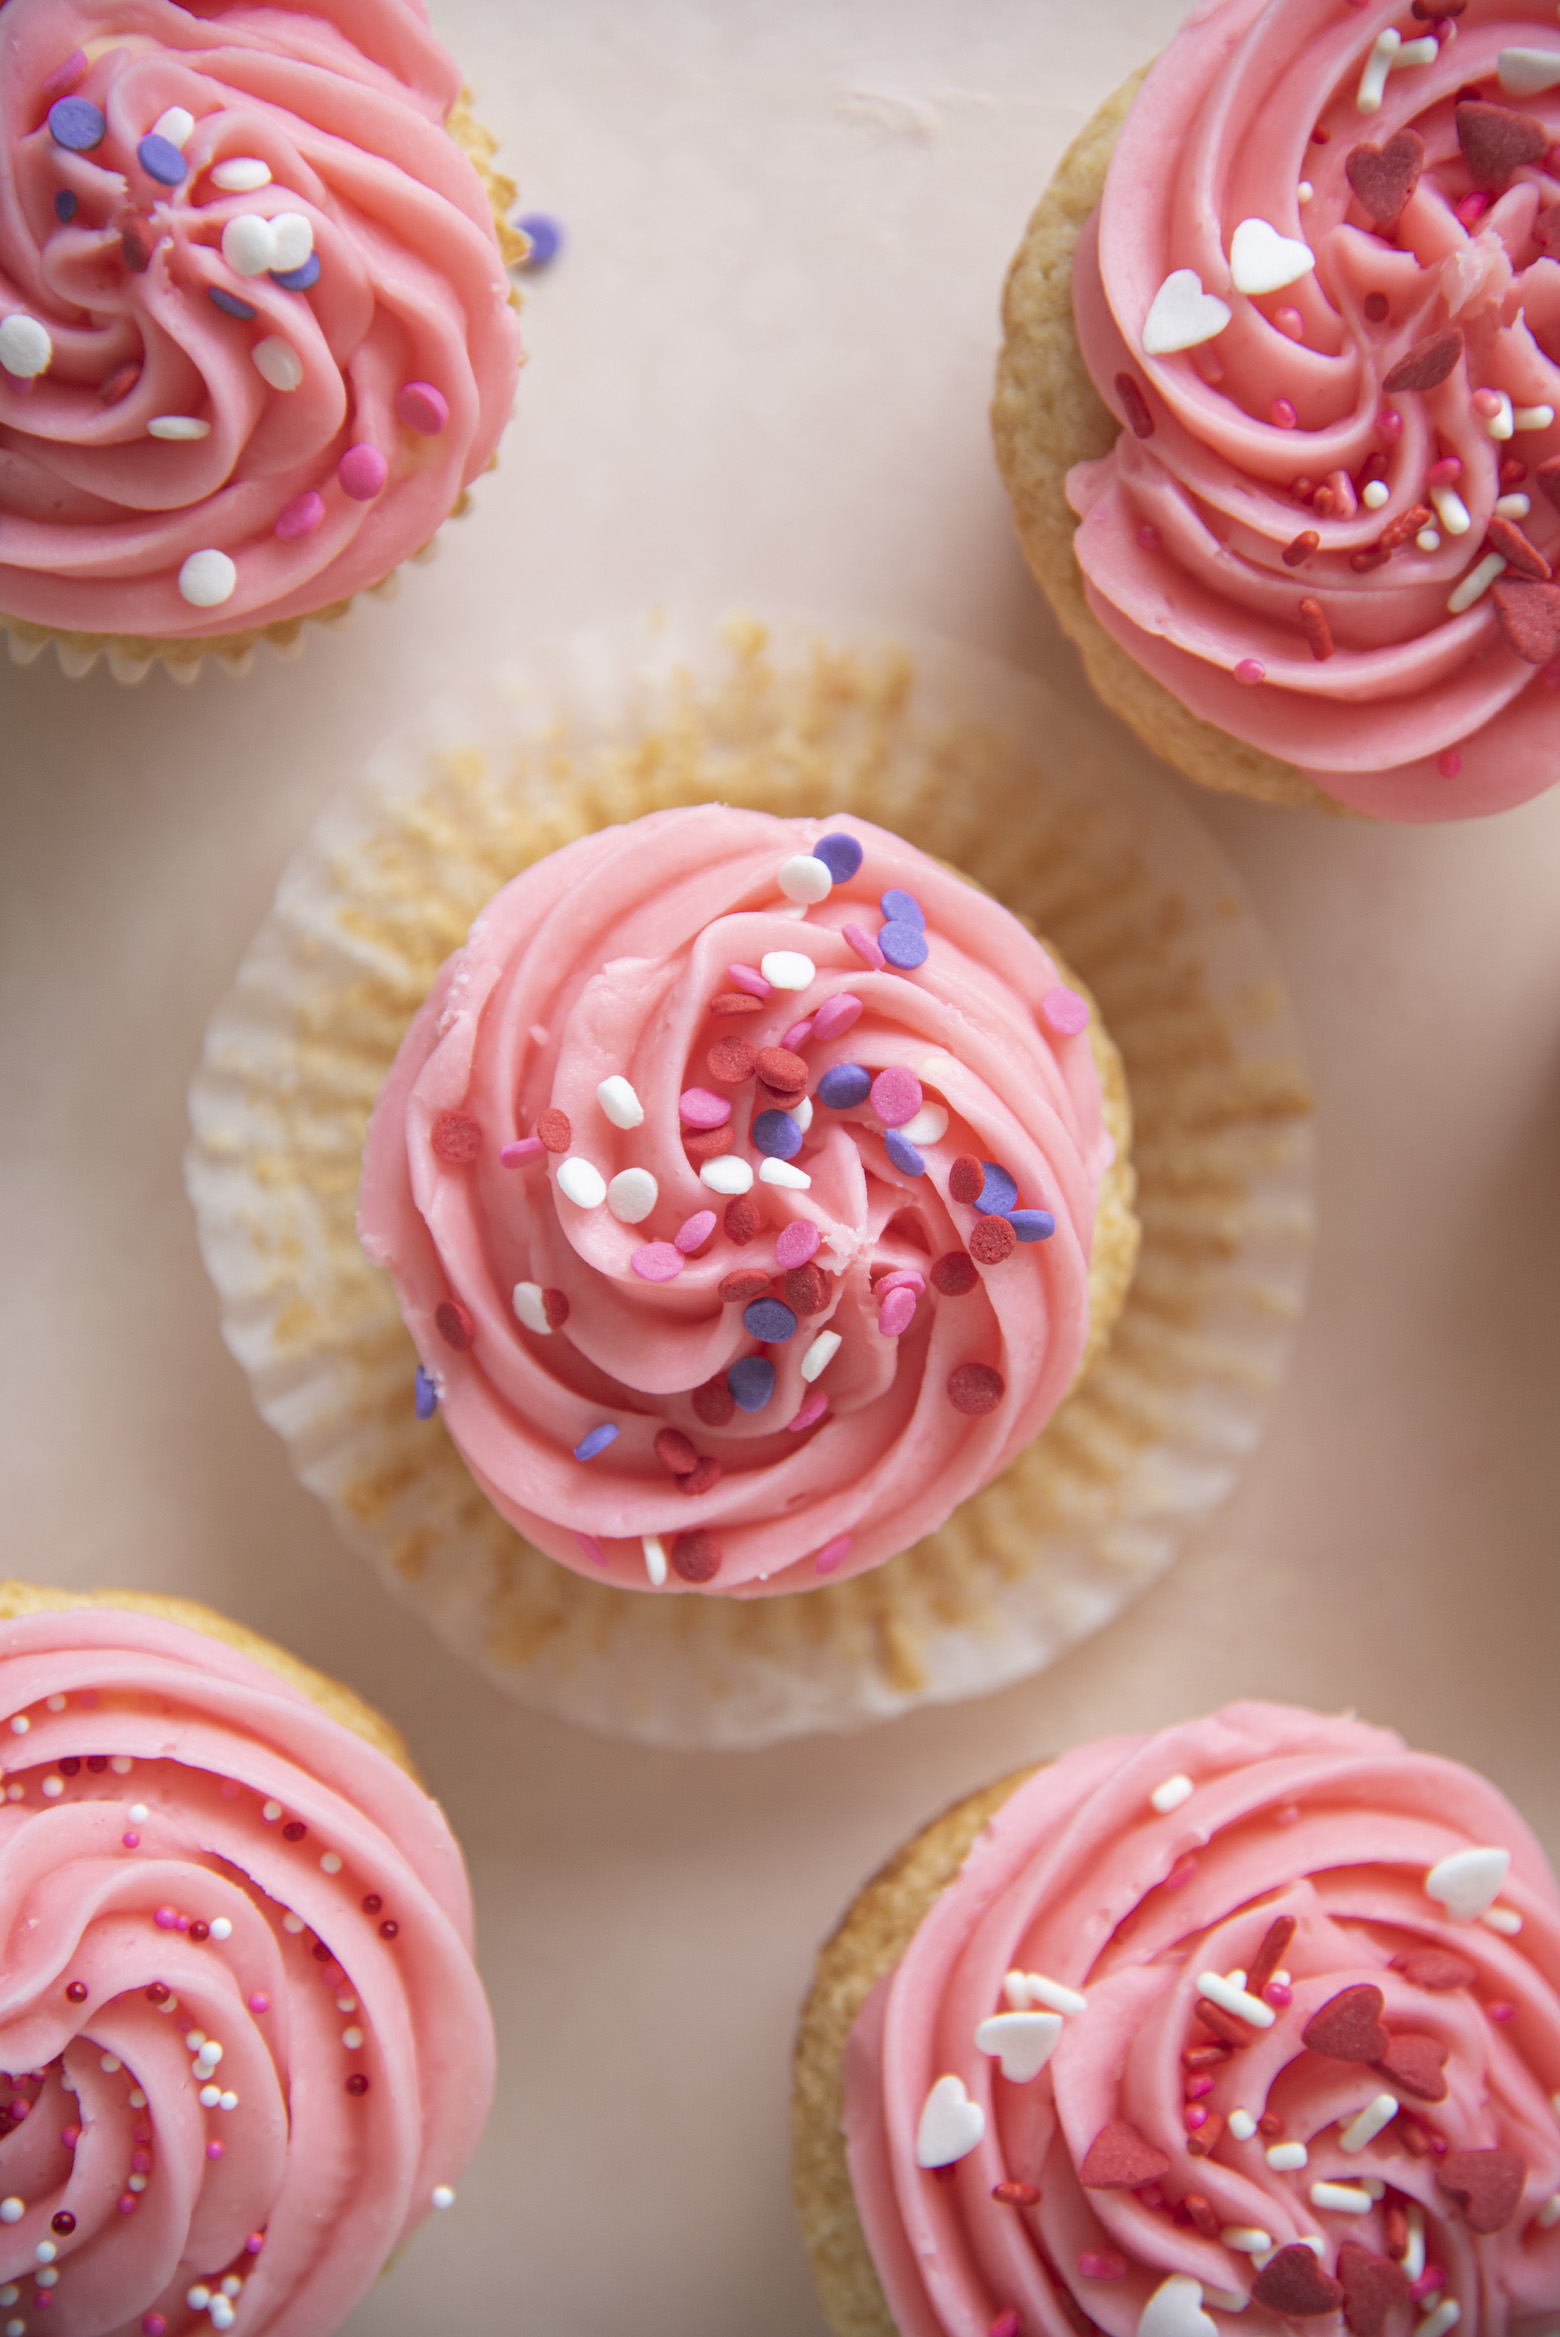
(973,762)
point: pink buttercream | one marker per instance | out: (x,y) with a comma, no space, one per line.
(1079,1879)
(345,101)
(331,2181)
(602,961)
(1182,531)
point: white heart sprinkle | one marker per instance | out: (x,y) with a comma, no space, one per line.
(1182,317)
(1468,1882)
(632,1195)
(582,1184)
(1262,260)
(951,2125)
(1524,72)
(292,240)
(787,969)
(277,362)
(26,349)
(248,245)
(1022,2041)
(618,1100)
(242,174)
(783,1172)
(1175,2310)
(207,579)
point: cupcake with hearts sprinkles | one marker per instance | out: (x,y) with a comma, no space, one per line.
(256,332)
(247,2050)
(1278,402)
(1252,2024)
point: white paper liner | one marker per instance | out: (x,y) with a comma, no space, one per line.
(972,760)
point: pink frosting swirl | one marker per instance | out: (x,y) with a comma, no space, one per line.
(229,404)
(1129,1872)
(1371,658)
(635,1411)
(245,2038)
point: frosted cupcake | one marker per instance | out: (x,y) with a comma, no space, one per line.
(249,2051)
(1258,2016)
(256,332)
(1278,403)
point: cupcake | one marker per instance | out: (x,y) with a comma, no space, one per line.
(1255,2016)
(1278,403)
(751,1192)
(256,332)
(248,2049)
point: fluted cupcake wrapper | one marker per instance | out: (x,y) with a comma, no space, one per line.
(969,760)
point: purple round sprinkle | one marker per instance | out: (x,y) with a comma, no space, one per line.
(546,240)
(65,205)
(903,945)
(998,1194)
(161,160)
(751,1381)
(771,1320)
(903,909)
(229,303)
(597,1441)
(903,1154)
(77,124)
(1031,1225)
(843,1085)
(840,854)
(777,1134)
(425,1395)
(298,279)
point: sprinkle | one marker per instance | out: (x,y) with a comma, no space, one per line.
(1533,418)
(861,941)
(741,1221)
(1182,315)
(1135,405)
(787,969)
(1247,2239)
(770,1320)
(362,471)
(1341,2199)
(804,878)
(696,1556)
(545,237)
(1514,507)
(694,1232)
(751,1382)
(809,1415)
(161,160)
(1251,670)
(975,1388)
(1368,2124)
(631,1196)
(26,350)
(515,1155)
(1373,80)
(1454,513)
(796,1242)
(422,408)
(454,1324)
(456,1137)
(1093,2263)
(992,1242)
(1262,260)
(902,908)
(845,1085)
(655,1558)
(241,174)
(580,1183)
(1171,1795)
(1527,72)
(1429,362)
(1476,583)
(592,1549)
(271,1811)
(300,279)
(64,77)
(1284,414)
(1428,539)
(903,945)
(731,1061)
(698,1108)
(1505,1920)
(903,1153)
(77,124)
(799,1033)
(230,304)
(1549,2214)
(299,517)
(749,978)
(736,1289)
(1287,2158)
(1235,2000)
(735,1002)
(897,1313)
(66,205)
(208,578)
(777,1135)
(1318,632)
(727,1174)
(998,1192)
(248,244)
(660,1261)
(896,1096)
(1446,2316)
(530,1311)
(277,362)
(820,1354)
(782,1172)
(841,855)
(1289,320)
(1032,1225)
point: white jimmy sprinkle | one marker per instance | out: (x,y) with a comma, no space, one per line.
(1503,421)
(1414,2257)
(175,125)
(1513,506)
(177,426)
(950,2127)
(631,1196)
(1453,510)
(802,878)
(783,1172)
(1183,315)
(292,240)
(1533,418)
(1242,2125)
(1375,2115)
(1446,2316)
(787,969)
(248,245)
(221,1928)
(1051,1993)
(580,1183)
(1469,1881)
(1505,1920)
(1377,492)
(655,1559)
(1247,2239)
(277,362)
(330,1863)
(207,579)
(1022,2042)
(929,1126)
(241,174)
(727,1174)
(1341,2198)
(1524,72)
(1262,260)
(26,349)
(526,1299)
(1287,2158)
(618,1100)
(820,1354)
(1218,1991)
(1473,587)
(1171,1794)
(443,2196)
(1373,80)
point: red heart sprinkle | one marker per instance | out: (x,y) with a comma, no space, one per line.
(1529,617)
(1292,2282)
(1507,538)
(1436,1968)
(1348,2026)
(1416,2065)
(1486,2184)
(1385,176)
(1426,365)
(1119,2159)
(1548,477)
(1495,141)
(1371,2287)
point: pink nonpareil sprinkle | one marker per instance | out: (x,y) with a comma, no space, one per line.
(1446,472)
(70,2136)
(592,1549)
(700,1107)
(658,1262)
(1449,763)
(126,2203)
(1431,2279)
(166,1918)
(1007,2324)
(213,2150)
(863,944)
(64,78)
(1102,2264)
(1291,323)
(1193,2116)
(836,1014)
(695,1231)
(131,1841)
(1149,537)
(1487,403)
(259,2002)
(1390,423)
(1251,670)
(524,1148)
(1500,2012)
(811,1412)
(798,1035)
(1064,1012)
(749,978)
(1284,414)
(897,1313)
(254,2243)
(1198,2088)
(796,1243)
(832,1555)
(300,517)
(1278,1993)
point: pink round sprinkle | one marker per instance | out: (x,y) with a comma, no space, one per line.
(897,1313)
(1446,472)
(259,2002)
(592,1549)
(698,1107)
(515,1155)
(798,1034)
(797,1242)
(812,1411)
(1007,2324)
(836,1014)
(1198,2088)
(862,942)
(181,1923)
(1290,322)
(140,2162)
(166,1918)
(695,1231)
(362,471)
(657,1262)
(1102,2264)
(1193,2116)
(1487,403)
(902,1278)
(832,1553)
(19,2106)
(70,2136)
(131,1841)
(1449,763)
(1284,414)
(1278,1993)
(126,2203)
(300,517)
(1149,537)
(422,407)
(1064,1012)
(1251,670)
(254,2243)
(64,78)
(896,1096)
(213,2150)
(749,978)
(153,2325)
(1390,423)
(1501,2012)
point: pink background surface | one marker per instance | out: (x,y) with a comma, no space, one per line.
(759,375)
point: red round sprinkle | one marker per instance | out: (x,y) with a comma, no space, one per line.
(705,1474)
(731,1061)
(807,1289)
(695,1557)
(1016,2194)
(372,1904)
(294,1830)
(62,2220)
(736,1002)
(675,1452)
(456,1137)
(736,1289)
(357,2083)
(992,1241)
(1377,307)
(714,1403)
(157,1993)
(555,1306)
(966,1179)
(200,1931)
(954,1274)
(320,1952)
(454,1324)
(389,1928)
(741,1220)
(555,1130)
(974,1388)
(71,1766)
(780,1069)
(707,1143)
(77,1992)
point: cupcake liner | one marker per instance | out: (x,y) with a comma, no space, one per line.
(935,743)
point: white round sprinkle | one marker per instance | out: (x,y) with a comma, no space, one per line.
(783,1172)
(198,2297)
(52,1788)
(1369,2123)
(352,2039)
(529,1310)
(585,1186)
(1287,2158)
(210,2053)
(787,969)
(55,1703)
(11,2210)
(210,2095)
(20,1724)
(1549,2214)
(277,362)
(45,2252)
(618,1100)
(25,347)
(221,1928)
(726,1173)
(1341,2198)
(139,1812)
(1428,539)
(135,2098)
(207,579)
(270,1811)
(1170,1795)
(655,1558)
(121,1764)
(821,1354)
(110,2063)
(1305,191)
(45,2277)
(177,426)
(1376,493)
(330,1863)
(135,2182)
(802,878)
(248,244)
(16,2329)
(292,1923)
(194,2039)
(222,2313)
(293,240)
(232,2285)
(175,125)
(346,2004)
(632,1195)
(929,1126)
(241,174)
(10,2293)
(16,1793)
(227,2101)
(1242,2125)
(443,2196)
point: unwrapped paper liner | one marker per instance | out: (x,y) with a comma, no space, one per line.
(971,761)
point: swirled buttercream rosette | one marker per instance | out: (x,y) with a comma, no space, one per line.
(256,334)
(1285,337)
(247,2050)
(719,1286)
(1256,2017)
